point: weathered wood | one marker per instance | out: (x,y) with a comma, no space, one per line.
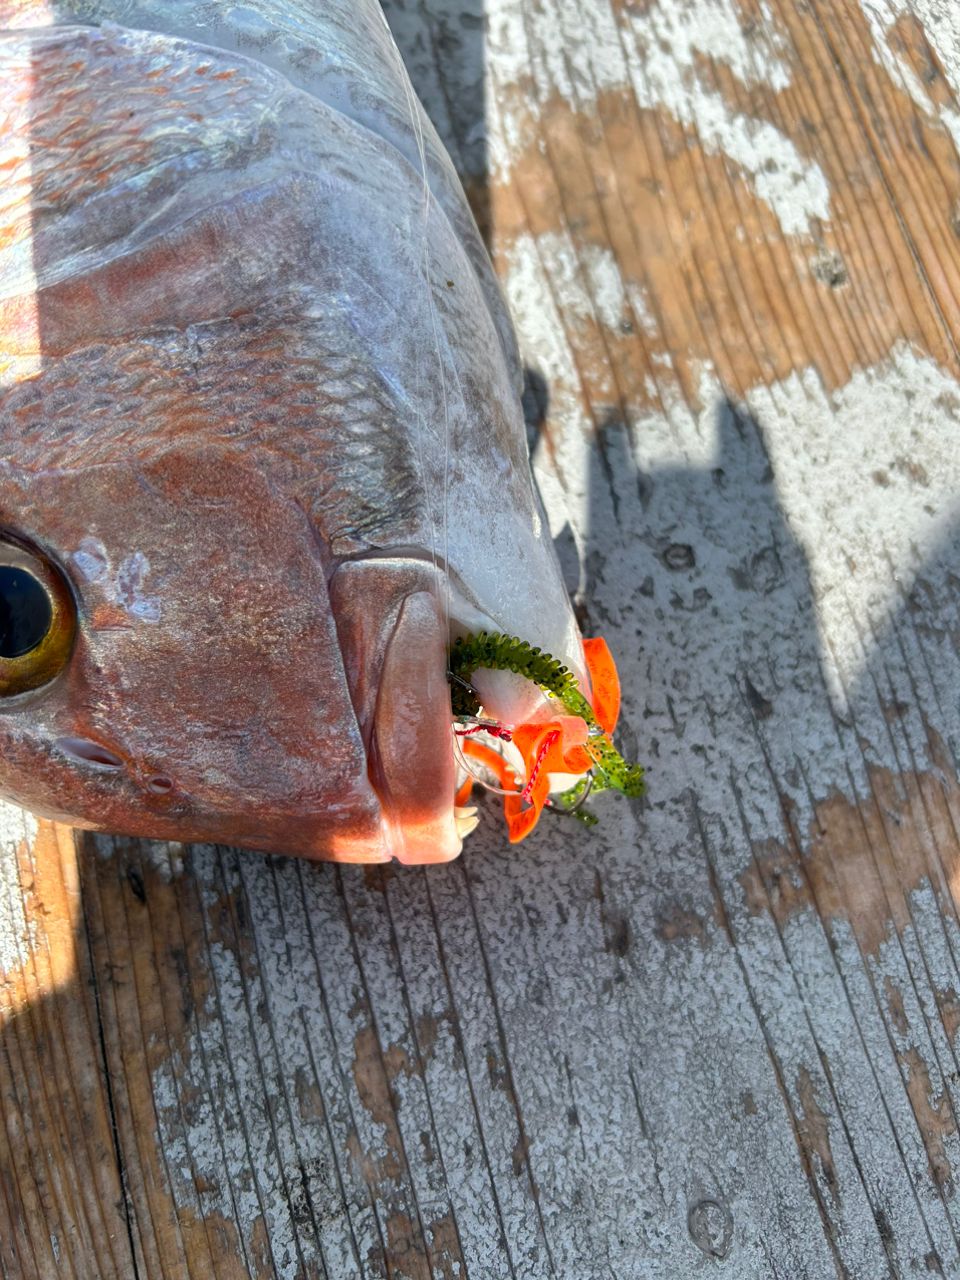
(721,1027)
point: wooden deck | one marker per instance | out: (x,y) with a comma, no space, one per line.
(719,1034)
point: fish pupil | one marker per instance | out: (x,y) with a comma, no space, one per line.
(25,612)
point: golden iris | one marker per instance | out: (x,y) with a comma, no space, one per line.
(38,619)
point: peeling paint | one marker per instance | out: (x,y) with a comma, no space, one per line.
(815,1131)
(671,36)
(850,868)
(18,830)
(865,541)
(669,45)
(934,1115)
(893,25)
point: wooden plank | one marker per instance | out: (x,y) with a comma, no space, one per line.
(63,1201)
(722,1027)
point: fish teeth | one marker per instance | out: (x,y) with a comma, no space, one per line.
(466,818)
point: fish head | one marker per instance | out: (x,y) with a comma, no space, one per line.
(262,449)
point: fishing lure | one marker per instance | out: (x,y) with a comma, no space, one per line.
(257,384)
(577,741)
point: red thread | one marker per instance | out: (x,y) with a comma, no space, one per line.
(495,731)
(545,746)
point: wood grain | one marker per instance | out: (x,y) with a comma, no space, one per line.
(720,1030)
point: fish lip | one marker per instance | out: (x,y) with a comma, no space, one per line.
(394,643)
(462,599)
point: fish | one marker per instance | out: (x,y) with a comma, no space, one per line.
(262,450)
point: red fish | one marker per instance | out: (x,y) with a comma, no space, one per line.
(261,445)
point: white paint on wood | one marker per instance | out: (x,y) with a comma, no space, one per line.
(869,505)
(17,832)
(661,52)
(940,20)
(793,186)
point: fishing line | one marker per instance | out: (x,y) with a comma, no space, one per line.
(477,778)
(416,123)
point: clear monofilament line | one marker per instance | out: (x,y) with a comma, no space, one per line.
(440,570)
(477,778)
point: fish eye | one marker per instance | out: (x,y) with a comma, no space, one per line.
(38,619)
